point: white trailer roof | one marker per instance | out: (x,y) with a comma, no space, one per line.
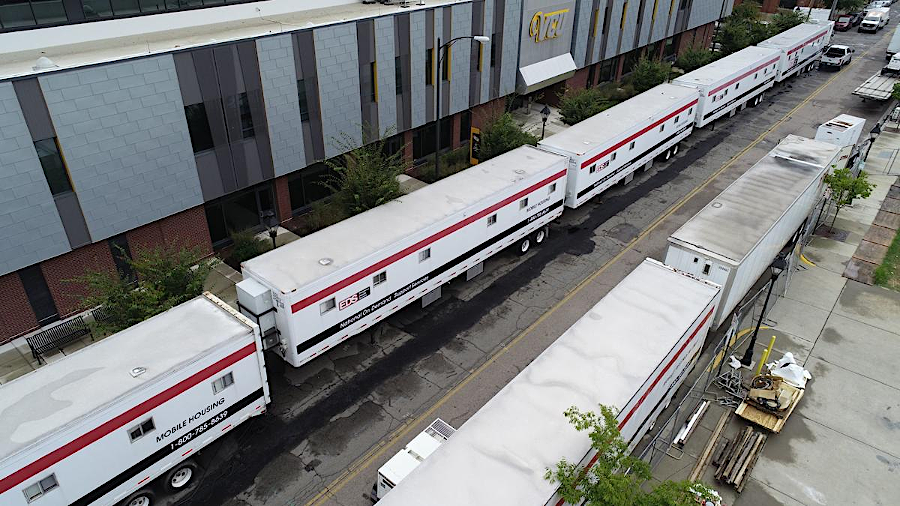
(500,454)
(296,265)
(598,130)
(36,404)
(795,36)
(724,68)
(732,224)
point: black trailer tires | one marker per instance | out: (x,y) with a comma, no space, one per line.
(180,476)
(140,498)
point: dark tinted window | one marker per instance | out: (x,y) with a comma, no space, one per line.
(307,186)
(96,9)
(429,67)
(398,76)
(198,126)
(121,254)
(54,168)
(16,13)
(247,129)
(38,295)
(304,103)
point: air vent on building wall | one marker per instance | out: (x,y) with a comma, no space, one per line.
(44,63)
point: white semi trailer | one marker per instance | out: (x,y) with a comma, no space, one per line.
(607,148)
(632,350)
(800,47)
(120,422)
(734,239)
(321,289)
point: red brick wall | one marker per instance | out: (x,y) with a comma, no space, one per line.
(457,124)
(16,318)
(770,6)
(186,229)
(408,145)
(282,199)
(61,271)
(482,114)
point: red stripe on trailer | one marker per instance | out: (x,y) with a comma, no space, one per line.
(652,386)
(635,136)
(145,479)
(297,306)
(185,453)
(745,74)
(120,421)
(806,43)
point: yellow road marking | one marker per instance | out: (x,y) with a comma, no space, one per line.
(363,462)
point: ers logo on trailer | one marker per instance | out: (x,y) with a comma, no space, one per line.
(353,299)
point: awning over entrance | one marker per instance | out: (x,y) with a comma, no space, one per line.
(544,73)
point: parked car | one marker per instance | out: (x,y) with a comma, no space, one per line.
(857,17)
(843,23)
(837,56)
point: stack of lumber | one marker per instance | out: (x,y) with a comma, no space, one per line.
(737,457)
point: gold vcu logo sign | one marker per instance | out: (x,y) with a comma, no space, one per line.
(546,26)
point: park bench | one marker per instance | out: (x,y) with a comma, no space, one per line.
(58,336)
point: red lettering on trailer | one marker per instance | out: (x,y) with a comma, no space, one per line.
(120,421)
(636,135)
(297,306)
(745,74)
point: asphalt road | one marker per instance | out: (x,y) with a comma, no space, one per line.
(333,422)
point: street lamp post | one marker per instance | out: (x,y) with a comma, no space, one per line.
(271,223)
(545,114)
(481,39)
(778,266)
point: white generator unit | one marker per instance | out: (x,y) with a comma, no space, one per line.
(725,85)
(406,460)
(800,47)
(734,239)
(607,148)
(118,422)
(632,350)
(323,288)
(844,132)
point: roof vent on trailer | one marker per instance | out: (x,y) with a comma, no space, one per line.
(441,429)
(717,204)
(44,63)
(137,371)
(325,261)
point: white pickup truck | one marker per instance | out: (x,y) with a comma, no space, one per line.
(837,56)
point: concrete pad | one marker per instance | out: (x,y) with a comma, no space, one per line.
(833,260)
(815,286)
(815,465)
(887,220)
(874,305)
(860,271)
(870,252)
(880,235)
(858,347)
(797,318)
(853,404)
(757,493)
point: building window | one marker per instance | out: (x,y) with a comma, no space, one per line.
(465,125)
(94,9)
(53,165)
(41,487)
(429,67)
(304,103)
(445,64)
(398,76)
(309,185)
(247,130)
(326,306)
(222,383)
(552,189)
(373,75)
(238,211)
(492,219)
(425,254)
(523,203)
(39,296)
(494,47)
(139,430)
(198,127)
(379,278)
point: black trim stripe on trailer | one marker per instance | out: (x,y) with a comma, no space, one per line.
(739,97)
(607,177)
(800,64)
(335,329)
(135,470)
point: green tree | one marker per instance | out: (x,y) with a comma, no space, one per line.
(502,134)
(246,245)
(365,177)
(576,105)
(648,73)
(850,5)
(604,483)
(844,188)
(693,58)
(164,278)
(785,20)
(741,29)
(895,94)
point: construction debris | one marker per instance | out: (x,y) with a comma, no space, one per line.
(688,428)
(739,457)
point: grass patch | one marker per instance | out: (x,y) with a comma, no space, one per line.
(888,273)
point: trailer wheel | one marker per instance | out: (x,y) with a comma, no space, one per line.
(675,149)
(668,154)
(180,476)
(541,235)
(139,498)
(524,246)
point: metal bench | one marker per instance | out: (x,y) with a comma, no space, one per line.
(56,337)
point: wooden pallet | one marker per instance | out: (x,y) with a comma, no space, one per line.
(768,420)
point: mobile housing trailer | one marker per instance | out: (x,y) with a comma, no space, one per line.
(734,239)
(631,350)
(608,147)
(800,47)
(100,425)
(725,85)
(323,288)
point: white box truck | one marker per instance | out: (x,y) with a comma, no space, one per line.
(734,239)
(608,147)
(842,131)
(632,350)
(800,47)
(323,288)
(120,421)
(406,460)
(725,85)
(893,46)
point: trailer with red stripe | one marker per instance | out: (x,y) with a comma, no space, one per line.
(609,147)
(120,422)
(726,85)
(319,290)
(632,350)
(801,47)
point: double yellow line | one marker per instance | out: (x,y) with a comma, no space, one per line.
(363,462)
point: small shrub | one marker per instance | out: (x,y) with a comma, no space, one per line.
(785,20)
(579,104)
(502,135)
(649,73)
(365,177)
(324,214)
(247,245)
(693,58)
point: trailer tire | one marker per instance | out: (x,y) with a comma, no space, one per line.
(180,476)
(143,497)
(668,154)
(524,246)
(675,149)
(541,235)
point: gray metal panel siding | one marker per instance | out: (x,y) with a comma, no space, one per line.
(279,81)
(125,139)
(474,72)
(628,32)
(582,28)
(612,33)
(387,81)
(338,75)
(486,66)
(512,23)
(37,117)
(29,222)
(417,65)
(446,35)
(663,21)
(73,219)
(365,43)
(646,22)
(460,25)
(600,41)
(704,11)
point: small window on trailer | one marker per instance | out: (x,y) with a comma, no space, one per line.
(613,157)
(425,254)
(755,75)
(327,306)
(379,278)
(593,169)
(736,86)
(631,146)
(677,118)
(40,487)
(138,431)
(523,203)
(662,127)
(726,93)
(222,383)
(691,110)
(492,219)
(706,267)
(552,189)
